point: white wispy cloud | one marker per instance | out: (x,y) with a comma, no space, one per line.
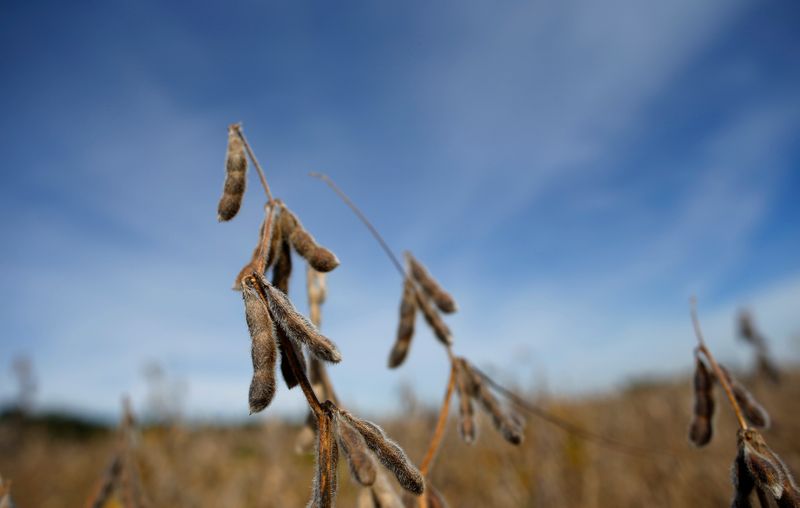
(519,103)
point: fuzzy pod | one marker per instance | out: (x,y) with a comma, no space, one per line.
(701,428)
(743,483)
(790,498)
(264,347)
(754,412)
(388,453)
(405,327)
(320,258)
(471,380)
(235,177)
(276,238)
(355,450)
(282,269)
(467,426)
(325,480)
(286,367)
(281,273)
(432,288)
(509,425)
(434,320)
(297,327)
(287,221)
(765,468)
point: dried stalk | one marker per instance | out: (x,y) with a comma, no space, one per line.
(441,424)
(718,372)
(238,128)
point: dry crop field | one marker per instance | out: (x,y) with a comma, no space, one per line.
(486,445)
(257,466)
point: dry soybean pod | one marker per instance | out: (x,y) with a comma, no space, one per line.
(355,450)
(434,320)
(508,426)
(320,258)
(281,272)
(466,425)
(765,468)
(701,428)
(297,327)
(405,327)
(235,176)
(264,347)
(442,298)
(388,453)
(753,411)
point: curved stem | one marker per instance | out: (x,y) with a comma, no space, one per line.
(721,377)
(252,155)
(363,218)
(519,401)
(385,246)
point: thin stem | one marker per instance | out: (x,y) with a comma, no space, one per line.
(294,363)
(261,176)
(266,238)
(519,401)
(440,424)
(720,375)
(385,246)
(325,178)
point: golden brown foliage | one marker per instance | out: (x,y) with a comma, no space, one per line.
(205,466)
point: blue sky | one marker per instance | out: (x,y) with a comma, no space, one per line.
(572,171)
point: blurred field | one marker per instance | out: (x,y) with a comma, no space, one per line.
(256,466)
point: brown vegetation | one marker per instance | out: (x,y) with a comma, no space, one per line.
(256,466)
